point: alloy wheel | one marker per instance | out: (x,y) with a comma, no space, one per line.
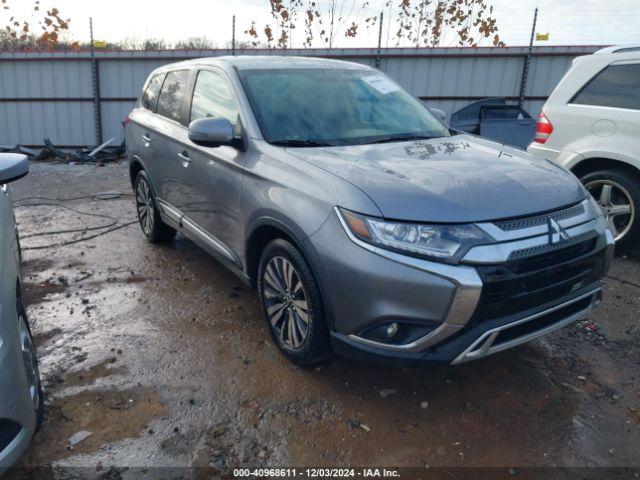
(144,205)
(286,302)
(30,362)
(616,204)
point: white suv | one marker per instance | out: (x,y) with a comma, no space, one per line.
(591,125)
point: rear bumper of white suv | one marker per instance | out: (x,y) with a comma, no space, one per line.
(563,158)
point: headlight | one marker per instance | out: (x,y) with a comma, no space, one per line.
(442,242)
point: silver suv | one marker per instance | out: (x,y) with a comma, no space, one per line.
(367,227)
(20,394)
(590,125)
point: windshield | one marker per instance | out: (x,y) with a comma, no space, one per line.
(323,107)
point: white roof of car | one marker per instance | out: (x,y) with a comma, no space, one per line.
(618,49)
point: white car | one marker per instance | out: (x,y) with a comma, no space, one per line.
(20,393)
(591,125)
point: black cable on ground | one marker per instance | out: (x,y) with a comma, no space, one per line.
(114,221)
(83,239)
(111,227)
(96,196)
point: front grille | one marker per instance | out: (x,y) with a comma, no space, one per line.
(521,284)
(9,430)
(528,222)
(578,244)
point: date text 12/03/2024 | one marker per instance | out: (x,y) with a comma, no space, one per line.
(316,473)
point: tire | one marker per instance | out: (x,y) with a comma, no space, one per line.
(292,308)
(151,223)
(31,362)
(624,189)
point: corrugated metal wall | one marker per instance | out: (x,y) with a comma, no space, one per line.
(51,94)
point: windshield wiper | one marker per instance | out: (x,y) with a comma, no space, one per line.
(402,138)
(300,143)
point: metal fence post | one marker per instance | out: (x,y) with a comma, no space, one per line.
(379,41)
(527,61)
(233,35)
(95,81)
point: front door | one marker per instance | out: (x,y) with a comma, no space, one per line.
(215,174)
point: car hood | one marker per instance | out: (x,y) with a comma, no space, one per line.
(461,178)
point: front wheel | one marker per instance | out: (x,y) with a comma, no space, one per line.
(618,194)
(291,304)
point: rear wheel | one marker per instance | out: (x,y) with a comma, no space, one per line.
(151,223)
(291,304)
(618,195)
(29,357)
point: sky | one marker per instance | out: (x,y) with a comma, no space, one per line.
(569,22)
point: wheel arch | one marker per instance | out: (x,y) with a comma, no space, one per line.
(263,231)
(592,164)
(267,229)
(135,166)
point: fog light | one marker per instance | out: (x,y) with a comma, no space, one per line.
(397,332)
(392,330)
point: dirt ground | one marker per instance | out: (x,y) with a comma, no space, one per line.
(164,357)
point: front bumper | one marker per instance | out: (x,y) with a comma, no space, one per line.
(17,417)
(368,286)
(483,338)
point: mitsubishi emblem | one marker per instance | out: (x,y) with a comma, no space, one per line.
(556,233)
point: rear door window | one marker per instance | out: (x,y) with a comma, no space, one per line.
(150,97)
(616,86)
(172,94)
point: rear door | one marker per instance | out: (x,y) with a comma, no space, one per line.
(140,126)
(216,174)
(167,137)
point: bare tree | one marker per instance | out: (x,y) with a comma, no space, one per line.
(43,28)
(434,23)
(421,23)
(195,43)
(321,19)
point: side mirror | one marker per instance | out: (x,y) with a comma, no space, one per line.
(440,115)
(211,132)
(13,166)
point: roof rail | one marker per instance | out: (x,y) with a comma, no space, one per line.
(619,49)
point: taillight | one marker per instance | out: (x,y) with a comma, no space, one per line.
(543,129)
(127,119)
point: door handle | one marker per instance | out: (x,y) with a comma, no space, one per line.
(146,138)
(184,156)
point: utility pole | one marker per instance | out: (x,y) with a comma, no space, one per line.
(379,41)
(527,61)
(95,82)
(233,35)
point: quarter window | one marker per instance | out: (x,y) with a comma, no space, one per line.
(150,97)
(172,94)
(616,86)
(213,97)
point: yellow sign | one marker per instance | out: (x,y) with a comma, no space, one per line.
(100,44)
(542,37)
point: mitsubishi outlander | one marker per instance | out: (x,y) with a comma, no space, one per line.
(366,225)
